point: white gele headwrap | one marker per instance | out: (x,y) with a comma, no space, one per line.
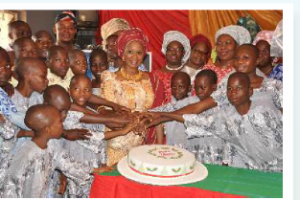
(263,35)
(111,27)
(171,36)
(238,33)
(277,41)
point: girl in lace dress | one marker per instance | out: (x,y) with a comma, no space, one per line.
(99,64)
(128,87)
(93,150)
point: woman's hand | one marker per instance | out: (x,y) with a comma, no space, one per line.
(120,109)
(154,115)
(124,118)
(142,126)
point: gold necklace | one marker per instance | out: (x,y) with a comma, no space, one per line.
(135,77)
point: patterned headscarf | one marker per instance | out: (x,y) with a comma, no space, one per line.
(263,35)
(171,36)
(250,24)
(66,16)
(134,34)
(277,41)
(238,33)
(202,38)
(111,27)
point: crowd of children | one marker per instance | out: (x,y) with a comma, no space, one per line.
(58,126)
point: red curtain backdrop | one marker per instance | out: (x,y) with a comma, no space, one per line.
(154,24)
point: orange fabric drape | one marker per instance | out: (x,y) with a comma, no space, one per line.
(207,22)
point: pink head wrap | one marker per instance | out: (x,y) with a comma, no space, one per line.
(202,38)
(130,35)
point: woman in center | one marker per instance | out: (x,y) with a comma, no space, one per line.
(128,87)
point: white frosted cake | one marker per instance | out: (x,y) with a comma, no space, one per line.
(161,161)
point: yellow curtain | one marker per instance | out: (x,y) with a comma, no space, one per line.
(207,22)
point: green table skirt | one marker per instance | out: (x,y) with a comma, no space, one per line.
(250,183)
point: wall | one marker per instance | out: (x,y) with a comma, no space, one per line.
(41,20)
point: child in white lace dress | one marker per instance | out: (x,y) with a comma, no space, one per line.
(93,150)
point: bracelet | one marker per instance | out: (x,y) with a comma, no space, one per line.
(99,107)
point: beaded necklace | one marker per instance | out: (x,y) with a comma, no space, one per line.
(174,69)
(135,77)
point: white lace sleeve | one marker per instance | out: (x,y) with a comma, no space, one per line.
(170,107)
(164,108)
(95,143)
(198,125)
(275,88)
(7,130)
(78,172)
(278,94)
(220,96)
(13,186)
(72,119)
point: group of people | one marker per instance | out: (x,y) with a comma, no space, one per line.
(65,116)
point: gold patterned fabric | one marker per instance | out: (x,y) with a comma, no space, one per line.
(111,27)
(207,22)
(136,95)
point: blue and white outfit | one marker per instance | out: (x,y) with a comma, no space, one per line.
(22,105)
(277,73)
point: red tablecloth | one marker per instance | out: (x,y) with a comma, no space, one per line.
(120,187)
